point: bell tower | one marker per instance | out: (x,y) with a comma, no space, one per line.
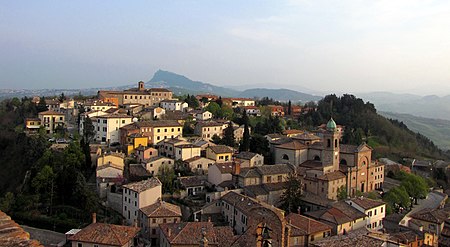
(330,152)
(141,86)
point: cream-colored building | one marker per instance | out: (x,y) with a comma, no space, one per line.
(139,195)
(98,106)
(153,164)
(375,211)
(51,120)
(145,153)
(115,158)
(219,153)
(167,146)
(186,151)
(203,115)
(152,216)
(207,130)
(107,127)
(106,176)
(198,165)
(173,105)
(220,172)
(249,159)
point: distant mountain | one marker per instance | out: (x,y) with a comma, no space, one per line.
(279,94)
(438,130)
(180,84)
(430,106)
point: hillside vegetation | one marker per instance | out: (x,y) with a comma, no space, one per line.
(389,138)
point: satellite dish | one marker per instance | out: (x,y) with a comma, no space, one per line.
(135,120)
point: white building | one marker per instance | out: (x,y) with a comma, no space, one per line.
(107,127)
(138,195)
(375,210)
(186,151)
(203,115)
(173,105)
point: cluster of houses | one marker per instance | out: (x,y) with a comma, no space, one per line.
(237,194)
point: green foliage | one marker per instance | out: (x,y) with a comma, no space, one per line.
(228,136)
(342,193)
(291,197)
(397,197)
(214,108)
(167,176)
(7,202)
(192,101)
(269,125)
(42,106)
(416,186)
(245,145)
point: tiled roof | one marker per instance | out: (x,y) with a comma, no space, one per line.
(114,115)
(12,235)
(220,149)
(106,234)
(317,200)
(264,189)
(306,136)
(432,215)
(152,159)
(246,155)
(138,170)
(331,176)
(339,214)
(293,131)
(162,209)
(275,169)
(143,185)
(209,124)
(350,211)
(355,238)
(246,204)
(190,233)
(249,172)
(159,123)
(344,148)
(50,112)
(294,145)
(159,90)
(191,181)
(307,225)
(225,167)
(367,203)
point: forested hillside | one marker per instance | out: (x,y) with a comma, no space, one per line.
(388,137)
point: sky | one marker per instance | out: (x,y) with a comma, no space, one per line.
(327,46)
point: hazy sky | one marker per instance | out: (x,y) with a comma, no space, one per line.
(331,46)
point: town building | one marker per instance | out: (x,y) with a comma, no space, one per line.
(154,164)
(249,159)
(203,115)
(145,153)
(107,127)
(306,231)
(219,153)
(173,105)
(139,95)
(32,124)
(51,120)
(187,151)
(139,195)
(207,130)
(375,211)
(150,217)
(198,165)
(156,130)
(105,235)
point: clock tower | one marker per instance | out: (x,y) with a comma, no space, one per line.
(330,152)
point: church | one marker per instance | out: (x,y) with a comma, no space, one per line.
(326,166)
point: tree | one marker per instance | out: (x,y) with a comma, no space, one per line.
(342,193)
(88,130)
(42,106)
(415,186)
(397,197)
(289,110)
(216,139)
(7,202)
(246,136)
(62,97)
(291,197)
(214,108)
(228,135)
(166,175)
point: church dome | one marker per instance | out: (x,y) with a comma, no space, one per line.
(331,125)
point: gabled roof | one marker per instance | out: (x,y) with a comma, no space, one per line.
(190,233)
(191,181)
(143,185)
(275,169)
(106,234)
(12,235)
(437,216)
(158,123)
(50,112)
(293,145)
(221,149)
(367,203)
(246,155)
(331,176)
(306,225)
(162,209)
(338,214)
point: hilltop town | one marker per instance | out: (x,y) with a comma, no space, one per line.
(143,167)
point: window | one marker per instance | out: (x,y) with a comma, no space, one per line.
(153,221)
(375,212)
(80,245)
(381,209)
(269,179)
(280,178)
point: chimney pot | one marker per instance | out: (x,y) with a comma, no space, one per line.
(94,218)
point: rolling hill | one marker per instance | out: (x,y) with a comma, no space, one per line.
(438,130)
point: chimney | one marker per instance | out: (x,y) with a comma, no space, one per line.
(94,218)
(209,219)
(236,168)
(169,232)
(135,224)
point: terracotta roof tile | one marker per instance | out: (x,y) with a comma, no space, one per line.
(220,149)
(306,224)
(12,235)
(190,233)
(367,203)
(143,185)
(106,234)
(162,209)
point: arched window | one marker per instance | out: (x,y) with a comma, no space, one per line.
(335,143)
(328,143)
(343,162)
(317,158)
(285,157)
